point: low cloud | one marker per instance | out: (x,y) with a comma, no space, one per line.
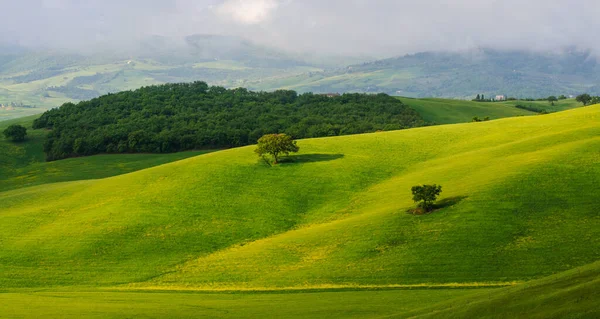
(356,27)
(247,11)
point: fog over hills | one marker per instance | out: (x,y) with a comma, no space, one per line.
(382,28)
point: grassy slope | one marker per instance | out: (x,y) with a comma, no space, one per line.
(572,294)
(94,304)
(23,164)
(448,111)
(561,105)
(522,208)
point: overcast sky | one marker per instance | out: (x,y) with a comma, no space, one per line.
(374,27)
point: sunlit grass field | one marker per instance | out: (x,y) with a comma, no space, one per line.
(560,105)
(519,203)
(571,294)
(449,111)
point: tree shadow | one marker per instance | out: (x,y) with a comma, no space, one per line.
(447,202)
(439,205)
(311,158)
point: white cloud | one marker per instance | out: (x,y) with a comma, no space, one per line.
(373,27)
(247,11)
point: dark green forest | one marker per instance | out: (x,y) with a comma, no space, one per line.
(185,116)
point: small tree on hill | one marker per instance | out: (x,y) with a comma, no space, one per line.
(426,195)
(15,132)
(275,145)
(477,98)
(584,98)
(552,99)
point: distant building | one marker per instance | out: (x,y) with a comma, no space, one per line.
(500,98)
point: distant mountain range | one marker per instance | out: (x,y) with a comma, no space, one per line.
(46,78)
(459,75)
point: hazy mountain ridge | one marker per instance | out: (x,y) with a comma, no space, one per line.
(461,74)
(48,78)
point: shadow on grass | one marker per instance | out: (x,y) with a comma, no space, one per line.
(441,204)
(447,202)
(310,158)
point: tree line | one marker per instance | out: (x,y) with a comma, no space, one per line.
(587,99)
(185,116)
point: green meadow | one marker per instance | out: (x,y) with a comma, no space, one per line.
(449,111)
(560,105)
(572,294)
(324,234)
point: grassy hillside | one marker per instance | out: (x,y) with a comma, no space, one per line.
(110,304)
(447,111)
(23,164)
(451,111)
(572,294)
(558,106)
(519,203)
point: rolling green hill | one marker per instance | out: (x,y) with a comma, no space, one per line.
(558,106)
(519,203)
(572,294)
(451,111)
(333,218)
(447,111)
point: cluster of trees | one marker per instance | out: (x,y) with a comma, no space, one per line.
(481,98)
(185,116)
(15,132)
(477,119)
(551,99)
(531,108)
(587,99)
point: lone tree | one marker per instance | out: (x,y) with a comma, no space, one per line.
(275,145)
(584,98)
(15,132)
(552,99)
(426,195)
